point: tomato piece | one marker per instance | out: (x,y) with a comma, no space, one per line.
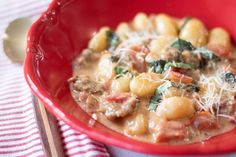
(220,50)
(179,77)
(204,121)
(118,97)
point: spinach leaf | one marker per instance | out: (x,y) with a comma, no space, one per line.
(120,71)
(161,66)
(207,54)
(155,100)
(157,66)
(182,45)
(178,65)
(112,39)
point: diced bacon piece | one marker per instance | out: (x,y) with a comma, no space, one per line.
(204,121)
(170,130)
(114,109)
(179,77)
(118,97)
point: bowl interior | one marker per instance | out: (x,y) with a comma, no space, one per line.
(64,30)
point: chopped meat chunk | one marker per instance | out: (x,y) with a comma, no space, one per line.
(91,104)
(92,100)
(88,102)
(118,107)
(83,83)
(204,121)
(190,58)
(85,91)
(170,130)
(170,55)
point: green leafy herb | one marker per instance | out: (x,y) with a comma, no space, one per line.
(120,71)
(155,100)
(186,20)
(207,54)
(113,40)
(157,66)
(178,65)
(182,45)
(161,66)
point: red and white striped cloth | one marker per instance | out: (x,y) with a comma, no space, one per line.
(19,133)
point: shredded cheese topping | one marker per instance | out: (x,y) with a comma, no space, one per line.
(216,92)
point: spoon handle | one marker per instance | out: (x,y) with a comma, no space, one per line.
(49,131)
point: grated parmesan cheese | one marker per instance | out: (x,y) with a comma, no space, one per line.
(217,92)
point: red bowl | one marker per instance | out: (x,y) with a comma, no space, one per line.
(60,34)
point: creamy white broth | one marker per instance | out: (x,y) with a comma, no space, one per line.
(120,125)
(131,115)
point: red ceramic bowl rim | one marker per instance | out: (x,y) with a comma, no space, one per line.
(50,104)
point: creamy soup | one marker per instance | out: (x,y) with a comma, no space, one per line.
(159,79)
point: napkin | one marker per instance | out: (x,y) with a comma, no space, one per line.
(19,131)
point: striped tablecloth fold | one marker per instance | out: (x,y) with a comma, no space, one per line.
(19,133)
(74,140)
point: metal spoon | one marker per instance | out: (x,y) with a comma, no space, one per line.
(14,44)
(14,39)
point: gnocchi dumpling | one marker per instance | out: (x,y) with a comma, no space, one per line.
(195,32)
(165,25)
(99,41)
(175,107)
(141,22)
(122,83)
(138,125)
(219,36)
(171,92)
(122,30)
(157,47)
(105,67)
(145,84)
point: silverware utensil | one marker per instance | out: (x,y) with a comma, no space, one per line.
(15,38)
